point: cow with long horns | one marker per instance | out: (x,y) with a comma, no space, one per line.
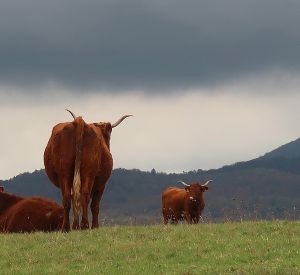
(78,161)
(184,204)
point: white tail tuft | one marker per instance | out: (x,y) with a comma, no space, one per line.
(76,195)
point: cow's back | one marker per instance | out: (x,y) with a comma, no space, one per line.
(32,214)
(59,155)
(173,201)
(95,153)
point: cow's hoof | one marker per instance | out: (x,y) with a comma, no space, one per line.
(65,227)
(95,226)
(75,226)
(84,226)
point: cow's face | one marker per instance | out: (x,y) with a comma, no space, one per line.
(196,190)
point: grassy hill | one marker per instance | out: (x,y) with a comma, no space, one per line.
(229,248)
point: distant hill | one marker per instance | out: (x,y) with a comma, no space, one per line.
(263,188)
(285,158)
(290,150)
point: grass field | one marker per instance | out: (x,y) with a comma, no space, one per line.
(229,248)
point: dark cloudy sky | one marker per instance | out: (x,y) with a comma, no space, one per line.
(223,75)
(133,44)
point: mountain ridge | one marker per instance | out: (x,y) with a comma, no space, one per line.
(289,150)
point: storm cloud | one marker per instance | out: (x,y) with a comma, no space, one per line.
(145,45)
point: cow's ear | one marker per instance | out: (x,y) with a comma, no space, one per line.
(108,128)
(204,188)
(187,188)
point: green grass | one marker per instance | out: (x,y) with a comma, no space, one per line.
(230,248)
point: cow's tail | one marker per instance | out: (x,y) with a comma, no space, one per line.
(79,127)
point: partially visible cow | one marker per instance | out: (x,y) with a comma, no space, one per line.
(78,161)
(18,214)
(184,204)
(1,189)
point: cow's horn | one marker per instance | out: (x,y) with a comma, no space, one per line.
(72,114)
(209,181)
(180,181)
(119,121)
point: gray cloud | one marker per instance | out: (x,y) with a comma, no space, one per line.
(131,44)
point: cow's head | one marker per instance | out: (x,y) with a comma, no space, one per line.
(105,127)
(195,190)
(1,189)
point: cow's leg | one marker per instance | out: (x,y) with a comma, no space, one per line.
(196,220)
(174,220)
(188,218)
(95,204)
(85,199)
(165,216)
(66,194)
(75,225)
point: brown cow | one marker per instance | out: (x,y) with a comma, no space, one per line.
(1,189)
(184,204)
(18,214)
(78,161)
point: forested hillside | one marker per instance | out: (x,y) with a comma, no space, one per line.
(262,188)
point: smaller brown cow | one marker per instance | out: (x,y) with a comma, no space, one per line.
(18,214)
(184,204)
